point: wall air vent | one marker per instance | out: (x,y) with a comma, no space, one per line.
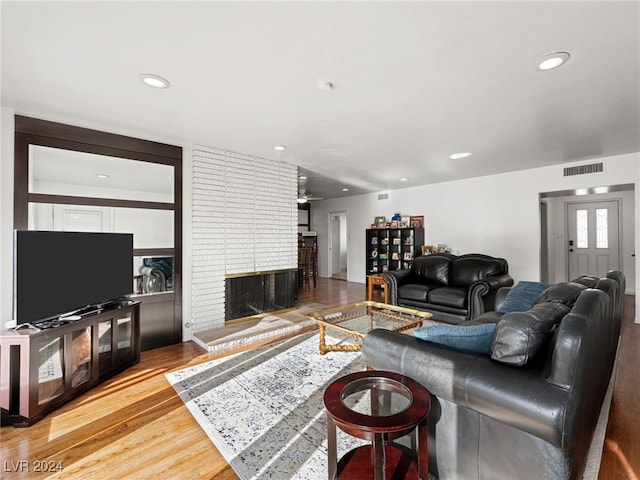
(383,196)
(583,169)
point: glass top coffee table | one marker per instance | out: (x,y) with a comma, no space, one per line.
(357,319)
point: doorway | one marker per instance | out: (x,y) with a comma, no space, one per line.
(602,235)
(338,245)
(594,238)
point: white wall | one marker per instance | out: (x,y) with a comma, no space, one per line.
(6,215)
(496,215)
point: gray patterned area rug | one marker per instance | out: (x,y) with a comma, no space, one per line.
(263,409)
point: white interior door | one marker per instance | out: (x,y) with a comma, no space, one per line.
(335,244)
(80,218)
(593,234)
(338,245)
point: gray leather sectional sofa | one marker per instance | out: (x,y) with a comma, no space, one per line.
(501,415)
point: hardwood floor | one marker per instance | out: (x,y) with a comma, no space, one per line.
(135,426)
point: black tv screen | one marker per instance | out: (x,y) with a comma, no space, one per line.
(57,273)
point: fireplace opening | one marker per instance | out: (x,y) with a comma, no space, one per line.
(256,293)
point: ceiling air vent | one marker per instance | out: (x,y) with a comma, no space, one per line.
(383,196)
(583,169)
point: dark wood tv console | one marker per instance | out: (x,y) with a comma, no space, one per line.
(40,369)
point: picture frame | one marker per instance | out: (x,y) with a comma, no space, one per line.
(408,256)
(427,249)
(403,224)
(417,221)
(380,221)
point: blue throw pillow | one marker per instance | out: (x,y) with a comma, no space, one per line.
(472,338)
(521,297)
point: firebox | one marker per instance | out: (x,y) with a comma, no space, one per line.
(255,293)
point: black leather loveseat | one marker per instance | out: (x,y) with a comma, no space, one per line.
(453,288)
(513,416)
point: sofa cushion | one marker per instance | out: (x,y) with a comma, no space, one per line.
(449,297)
(432,269)
(565,292)
(521,297)
(466,271)
(589,281)
(519,336)
(475,338)
(414,291)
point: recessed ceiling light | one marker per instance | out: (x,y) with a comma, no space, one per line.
(154,81)
(456,156)
(404,179)
(279,147)
(345,189)
(102,175)
(325,86)
(553,60)
(302,200)
(302,177)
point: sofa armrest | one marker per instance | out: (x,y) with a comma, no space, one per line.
(516,396)
(440,369)
(394,280)
(501,296)
(499,281)
(482,294)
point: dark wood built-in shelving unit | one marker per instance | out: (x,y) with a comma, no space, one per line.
(392,248)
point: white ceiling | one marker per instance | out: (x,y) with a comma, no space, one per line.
(414,82)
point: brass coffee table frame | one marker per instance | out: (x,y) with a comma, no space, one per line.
(338,315)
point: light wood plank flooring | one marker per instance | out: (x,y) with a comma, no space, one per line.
(134,426)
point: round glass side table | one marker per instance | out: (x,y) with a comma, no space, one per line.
(377,406)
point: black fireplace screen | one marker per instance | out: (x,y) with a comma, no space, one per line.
(254,294)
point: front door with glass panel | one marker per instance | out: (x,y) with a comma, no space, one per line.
(593,238)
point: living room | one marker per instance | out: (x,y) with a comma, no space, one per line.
(496,212)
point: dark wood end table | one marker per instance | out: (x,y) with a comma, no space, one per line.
(377,279)
(377,406)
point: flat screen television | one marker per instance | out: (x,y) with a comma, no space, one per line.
(60,273)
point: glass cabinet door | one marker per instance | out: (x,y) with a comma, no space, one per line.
(50,368)
(81,363)
(105,342)
(124,338)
